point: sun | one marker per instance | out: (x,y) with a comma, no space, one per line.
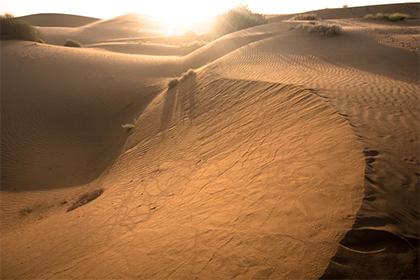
(175,25)
(176,17)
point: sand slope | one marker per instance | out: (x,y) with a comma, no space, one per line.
(71,111)
(57,20)
(381,109)
(412,9)
(225,191)
(125,26)
(285,156)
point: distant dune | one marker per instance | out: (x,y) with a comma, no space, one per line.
(57,20)
(126,22)
(412,9)
(268,153)
(125,26)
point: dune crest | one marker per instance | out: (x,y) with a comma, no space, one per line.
(57,20)
(245,176)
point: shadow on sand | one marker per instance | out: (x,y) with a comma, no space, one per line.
(179,102)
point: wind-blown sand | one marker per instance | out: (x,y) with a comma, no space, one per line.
(285,155)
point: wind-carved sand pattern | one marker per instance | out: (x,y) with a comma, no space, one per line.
(286,155)
(218,198)
(380,110)
(223,192)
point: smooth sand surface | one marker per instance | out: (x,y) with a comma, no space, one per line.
(284,155)
(57,20)
(148,48)
(68,129)
(125,26)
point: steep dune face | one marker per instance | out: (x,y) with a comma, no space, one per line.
(62,111)
(220,178)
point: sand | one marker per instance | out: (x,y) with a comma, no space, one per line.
(284,155)
(358,12)
(57,20)
(99,31)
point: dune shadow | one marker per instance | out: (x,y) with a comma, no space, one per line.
(67,147)
(187,98)
(179,100)
(168,108)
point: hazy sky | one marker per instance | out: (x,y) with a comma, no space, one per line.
(110,8)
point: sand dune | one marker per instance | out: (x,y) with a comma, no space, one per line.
(381,105)
(130,25)
(359,12)
(148,48)
(57,20)
(284,155)
(253,202)
(72,114)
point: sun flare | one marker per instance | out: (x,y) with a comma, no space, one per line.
(176,17)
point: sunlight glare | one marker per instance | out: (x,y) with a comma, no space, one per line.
(177,17)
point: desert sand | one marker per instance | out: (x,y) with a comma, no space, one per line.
(58,20)
(282,155)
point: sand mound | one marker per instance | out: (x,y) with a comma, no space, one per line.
(71,112)
(379,99)
(57,20)
(228,43)
(101,132)
(130,25)
(146,48)
(126,26)
(221,177)
(126,22)
(359,12)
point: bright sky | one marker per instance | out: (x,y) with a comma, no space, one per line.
(176,9)
(175,16)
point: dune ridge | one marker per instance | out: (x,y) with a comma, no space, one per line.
(374,109)
(57,20)
(125,26)
(74,120)
(358,11)
(186,145)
